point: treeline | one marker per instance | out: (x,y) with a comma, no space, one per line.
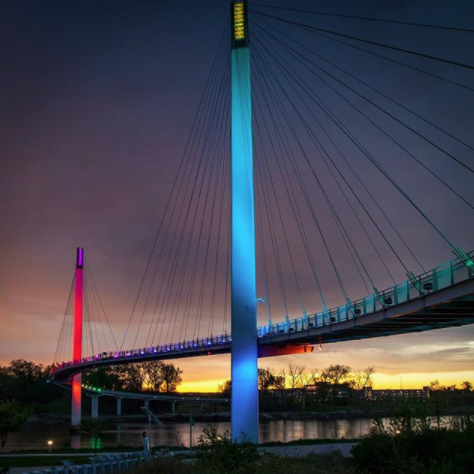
(28,383)
(155,376)
(413,442)
(297,388)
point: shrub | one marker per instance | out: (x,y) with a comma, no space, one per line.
(425,451)
(220,454)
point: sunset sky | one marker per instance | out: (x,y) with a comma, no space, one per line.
(97,102)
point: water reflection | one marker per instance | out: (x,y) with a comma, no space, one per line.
(290,430)
(34,435)
(118,437)
(75,441)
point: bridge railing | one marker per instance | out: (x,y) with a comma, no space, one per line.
(443,276)
(199,343)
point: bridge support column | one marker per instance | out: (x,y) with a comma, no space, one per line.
(173,407)
(77,340)
(119,407)
(95,406)
(244,408)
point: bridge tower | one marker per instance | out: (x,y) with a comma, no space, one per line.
(244,374)
(77,339)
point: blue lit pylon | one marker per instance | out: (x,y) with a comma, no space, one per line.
(244,411)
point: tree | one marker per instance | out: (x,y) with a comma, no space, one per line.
(439,400)
(225,388)
(363,380)
(25,371)
(305,381)
(6,383)
(466,387)
(295,373)
(266,379)
(220,454)
(27,383)
(26,377)
(94,428)
(171,378)
(12,416)
(109,377)
(279,382)
(336,374)
(280,385)
(131,377)
(154,375)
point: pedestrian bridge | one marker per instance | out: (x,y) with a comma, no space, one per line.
(440,298)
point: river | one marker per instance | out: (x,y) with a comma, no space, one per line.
(36,435)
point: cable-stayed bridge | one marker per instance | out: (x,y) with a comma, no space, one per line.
(443,297)
(303,182)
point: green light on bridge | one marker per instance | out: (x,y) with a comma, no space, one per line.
(90,387)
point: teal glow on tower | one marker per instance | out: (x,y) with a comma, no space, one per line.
(244,411)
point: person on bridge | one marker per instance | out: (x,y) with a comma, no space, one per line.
(146,445)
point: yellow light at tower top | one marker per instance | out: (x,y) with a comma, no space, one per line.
(239,21)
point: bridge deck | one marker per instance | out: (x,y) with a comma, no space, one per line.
(440,298)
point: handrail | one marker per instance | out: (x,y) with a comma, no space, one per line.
(443,276)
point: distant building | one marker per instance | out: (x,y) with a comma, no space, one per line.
(422,393)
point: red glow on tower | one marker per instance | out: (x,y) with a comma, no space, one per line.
(77,338)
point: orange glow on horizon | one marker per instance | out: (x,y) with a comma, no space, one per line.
(381,381)
(418,380)
(204,386)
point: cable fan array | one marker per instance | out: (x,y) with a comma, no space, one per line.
(349,178)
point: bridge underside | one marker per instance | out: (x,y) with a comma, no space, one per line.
(450,307)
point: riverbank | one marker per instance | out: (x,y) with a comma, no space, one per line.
(42,453)
(224,416)
(219,417)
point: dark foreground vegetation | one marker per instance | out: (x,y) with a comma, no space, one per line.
(413,443)
(217,454)
(407,445)
(296,389)
(262,464)
(28,383)
(420,438)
